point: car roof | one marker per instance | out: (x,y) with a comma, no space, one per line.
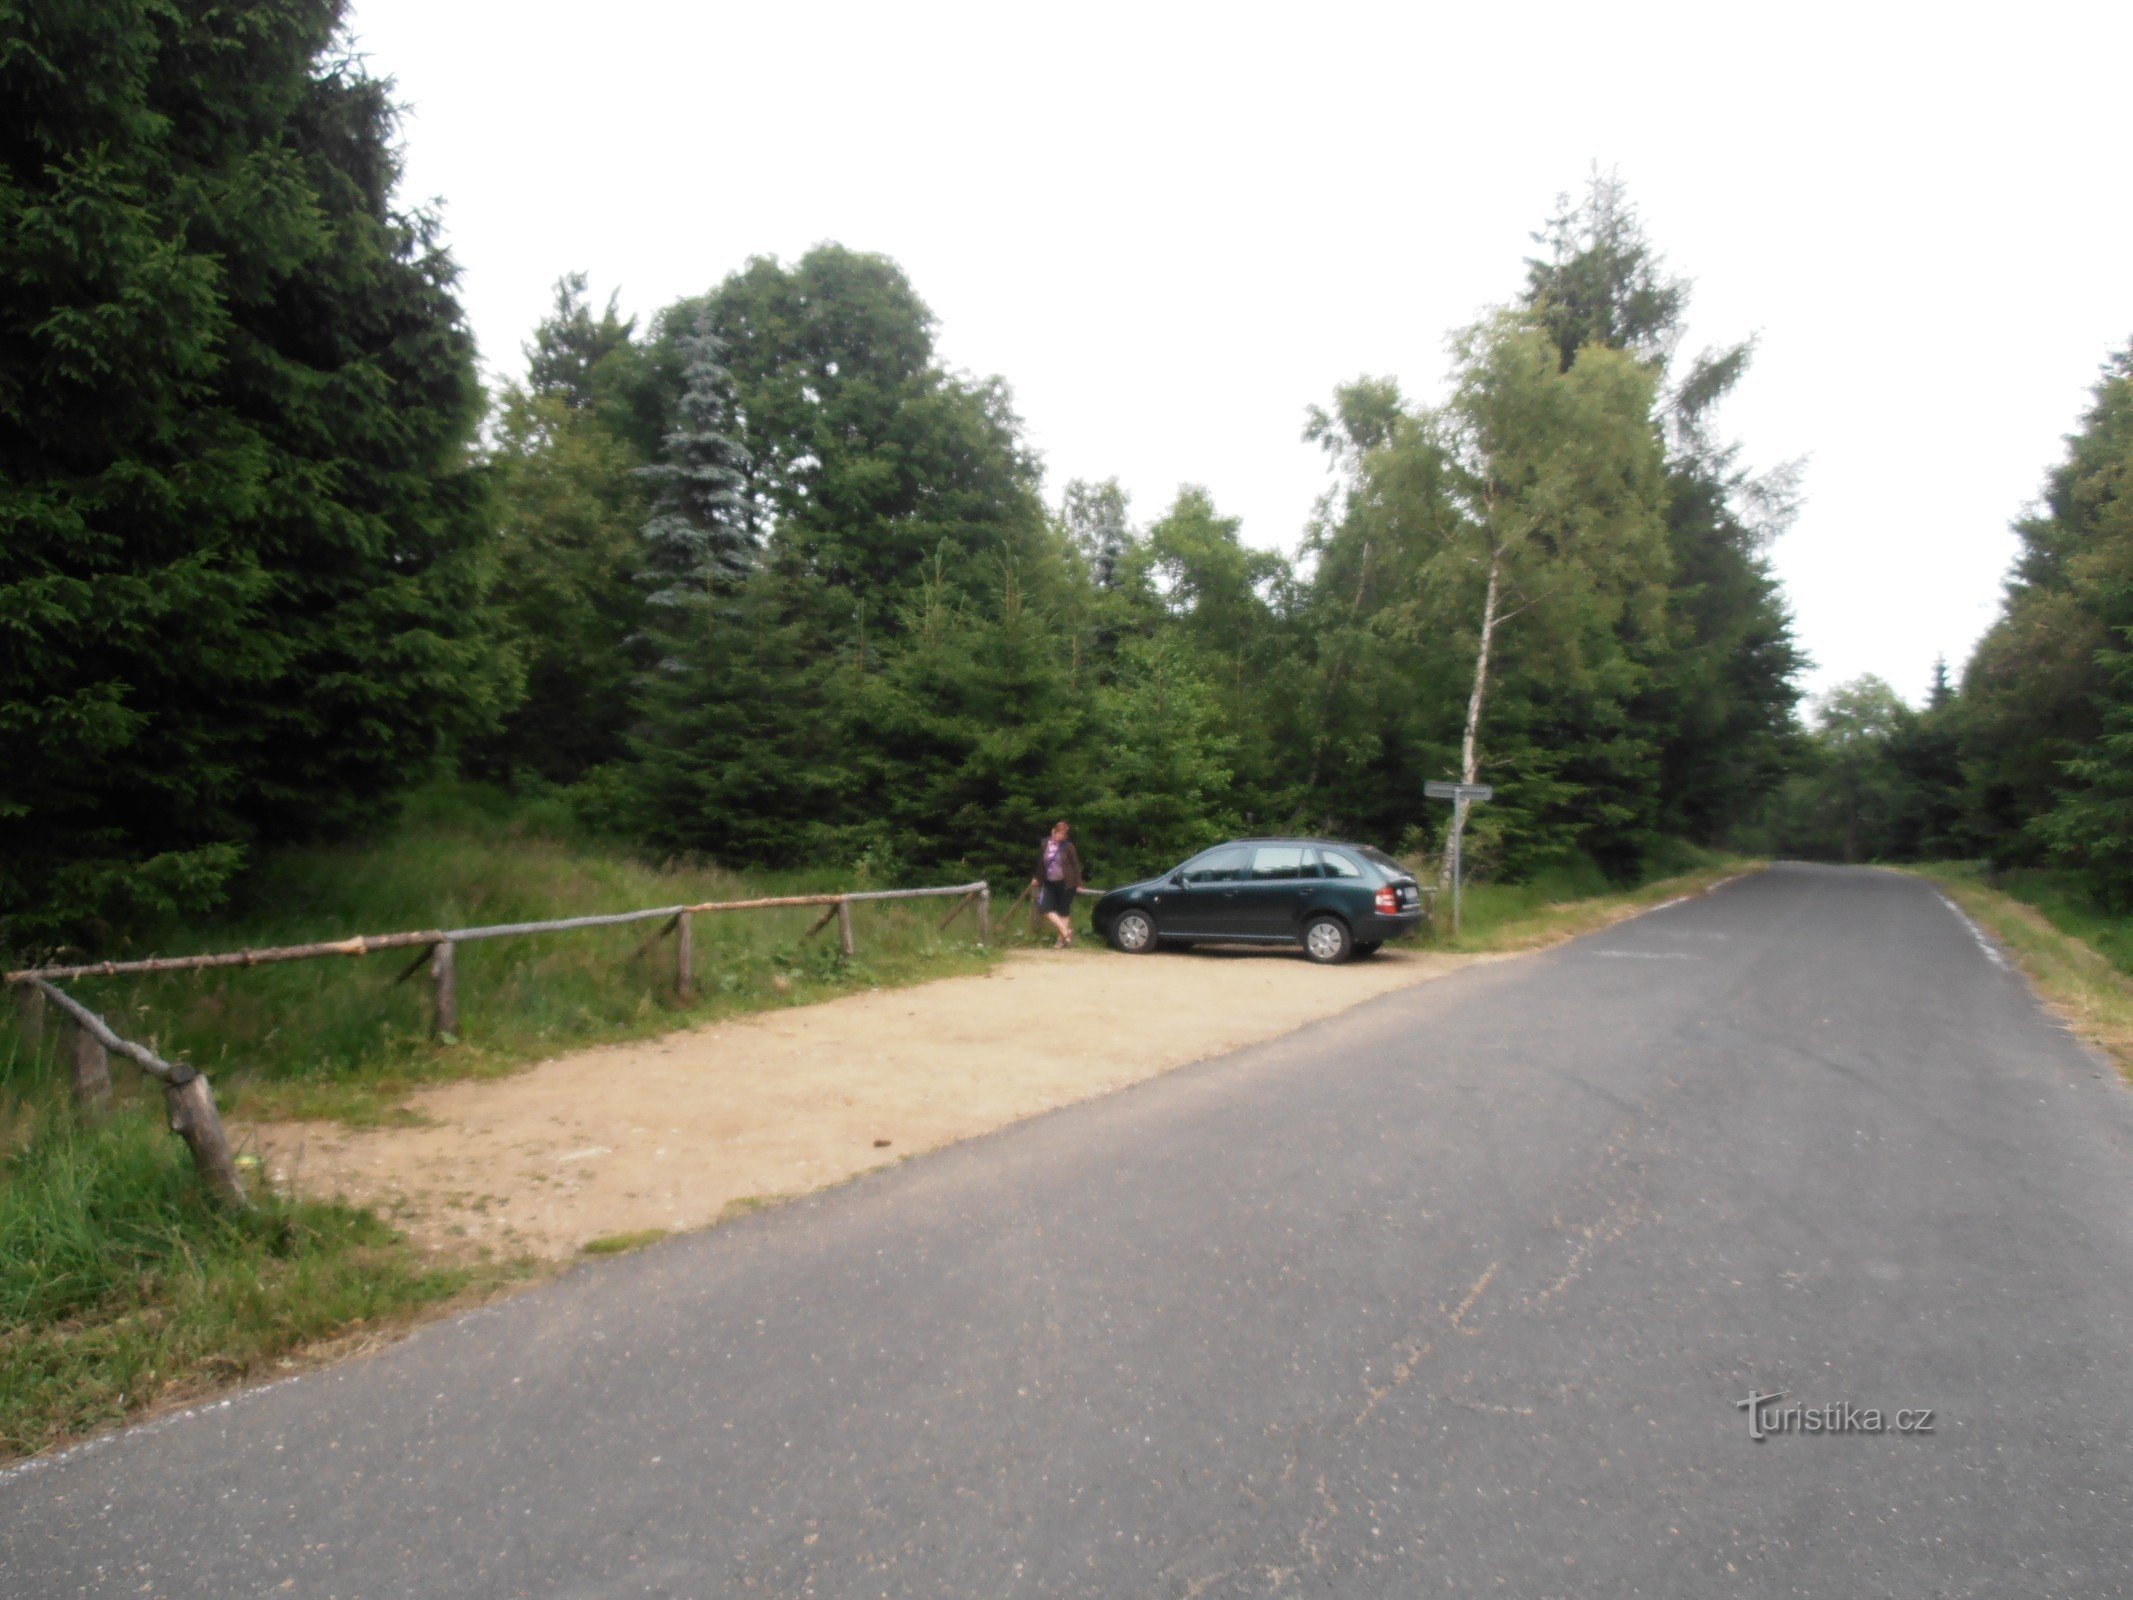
(1305,839)
(1294,838)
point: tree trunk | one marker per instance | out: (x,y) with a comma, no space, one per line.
(1469,747)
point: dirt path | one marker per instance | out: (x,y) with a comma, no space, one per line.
(667,1134)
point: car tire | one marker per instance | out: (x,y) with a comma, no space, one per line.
(1327,941)
(1368,947)
(1133,931)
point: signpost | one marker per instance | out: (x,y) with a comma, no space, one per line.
(1461,796)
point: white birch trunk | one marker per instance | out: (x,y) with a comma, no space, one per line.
(1469,754)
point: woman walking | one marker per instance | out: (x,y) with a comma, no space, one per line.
(1058,876)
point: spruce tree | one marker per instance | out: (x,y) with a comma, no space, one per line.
(1722,691)
(968,743)
(241,531)
(2090,827)
(728,703)
(698,541)
(872,473)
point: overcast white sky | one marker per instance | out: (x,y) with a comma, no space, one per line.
(1173,227)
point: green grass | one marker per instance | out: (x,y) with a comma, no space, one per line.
(122,1286)
(2059,897)
(343,1037)
(619,1244)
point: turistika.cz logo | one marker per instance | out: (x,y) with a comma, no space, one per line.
(1767,1415)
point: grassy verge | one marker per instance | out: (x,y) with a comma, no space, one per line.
(2078,956)
(1564,903)
(123,1288)
(347,1038)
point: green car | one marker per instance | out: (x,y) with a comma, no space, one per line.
(1334,899)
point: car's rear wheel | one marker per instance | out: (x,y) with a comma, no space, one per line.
(1327,941)
(1133,932)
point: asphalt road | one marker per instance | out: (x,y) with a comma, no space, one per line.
(1455,1294)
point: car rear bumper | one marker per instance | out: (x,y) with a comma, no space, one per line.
(1377,927)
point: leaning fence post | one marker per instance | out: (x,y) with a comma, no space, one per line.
(29,999)
(92,1075)
(985,914)
(684,958)
(844,926)
(445,1024)
(193,1118)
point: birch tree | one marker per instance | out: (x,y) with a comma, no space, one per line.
(1556,522)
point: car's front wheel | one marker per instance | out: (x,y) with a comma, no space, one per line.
(1327,941)
(1133,932)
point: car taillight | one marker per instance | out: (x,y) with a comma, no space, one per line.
(1388,902)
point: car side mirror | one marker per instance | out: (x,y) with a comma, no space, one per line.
(1177,880)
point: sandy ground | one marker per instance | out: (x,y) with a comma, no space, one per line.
(668,1133)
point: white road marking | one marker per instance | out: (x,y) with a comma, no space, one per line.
(1992,951)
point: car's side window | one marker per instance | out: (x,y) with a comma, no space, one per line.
(1225,865)
(1273,862)
(1338,865)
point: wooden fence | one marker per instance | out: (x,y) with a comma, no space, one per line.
(186,1095)
(192,1104)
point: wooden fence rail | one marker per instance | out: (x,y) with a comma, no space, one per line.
(368,944)
(186,1095)
(192,1105)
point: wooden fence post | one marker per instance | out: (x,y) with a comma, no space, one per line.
(92,1076)
(194,1119)
(445,1023)
(844,927)
(684,957)
(29,1001)
(985,914)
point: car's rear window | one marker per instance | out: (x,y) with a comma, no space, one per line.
(1380,858)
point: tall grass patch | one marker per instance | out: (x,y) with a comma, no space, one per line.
(2060,898)
(348,1037)
(123,1285)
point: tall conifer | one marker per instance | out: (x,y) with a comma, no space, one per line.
(241,569)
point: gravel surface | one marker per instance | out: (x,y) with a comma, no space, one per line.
(668,1132)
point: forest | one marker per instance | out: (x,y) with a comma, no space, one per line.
(754,578)
(2026,761)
